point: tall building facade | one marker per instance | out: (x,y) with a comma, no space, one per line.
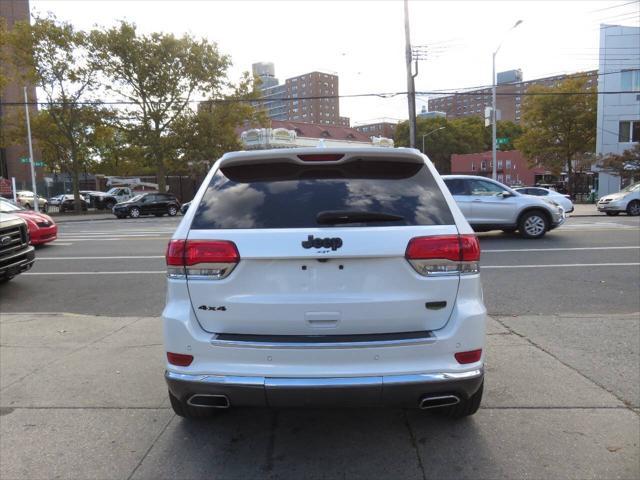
(12,11)
(309,98)
(508,100)
(618,124)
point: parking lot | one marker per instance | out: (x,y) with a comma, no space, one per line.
(82,393)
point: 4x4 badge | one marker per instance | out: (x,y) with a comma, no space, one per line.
(332,243)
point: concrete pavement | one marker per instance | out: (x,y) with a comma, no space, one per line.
(83,397)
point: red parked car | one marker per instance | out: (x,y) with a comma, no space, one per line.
(42,228)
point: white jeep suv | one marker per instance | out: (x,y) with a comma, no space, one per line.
(312,277)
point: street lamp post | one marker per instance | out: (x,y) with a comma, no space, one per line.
(427,134)
(494,174)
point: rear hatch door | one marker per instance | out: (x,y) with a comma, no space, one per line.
(322,249)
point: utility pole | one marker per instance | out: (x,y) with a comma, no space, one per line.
(36,201)
(411,88)
(494,170)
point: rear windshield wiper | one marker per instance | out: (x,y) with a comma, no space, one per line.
(344,216)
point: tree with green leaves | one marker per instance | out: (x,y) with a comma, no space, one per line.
(159,75)
(559,125)
(56,58)
(209,132)
(504,129)
(443,137)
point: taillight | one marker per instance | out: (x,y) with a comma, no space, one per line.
(322,157)
(444,254)
(201,259)
(471,356)
(179,359)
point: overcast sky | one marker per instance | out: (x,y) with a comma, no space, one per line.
(363,41)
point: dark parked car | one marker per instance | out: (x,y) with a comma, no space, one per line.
(157,204)
(67,204)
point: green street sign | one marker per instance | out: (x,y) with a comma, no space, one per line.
(24,159)
(39,164)
(502,141)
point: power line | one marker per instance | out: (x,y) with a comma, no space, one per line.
(613,6)
(386,95)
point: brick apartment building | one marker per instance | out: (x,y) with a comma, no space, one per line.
(508,99)
(13,11)
(378,128)
(310,98)
(512,168)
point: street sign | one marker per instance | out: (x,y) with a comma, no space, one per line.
(502,141)
(24,159)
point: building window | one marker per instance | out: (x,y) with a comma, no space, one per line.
(508,164)
(501,178)
(483,165)
(629,131)
(630,80)
(499,163)
(473,166)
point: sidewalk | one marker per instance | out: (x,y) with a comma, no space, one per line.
(84,397)
(585,210)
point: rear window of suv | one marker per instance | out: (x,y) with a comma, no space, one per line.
(290,195)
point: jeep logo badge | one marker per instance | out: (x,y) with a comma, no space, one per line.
(5,240)
(332,243)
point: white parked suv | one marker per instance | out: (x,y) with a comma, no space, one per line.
(626,200)
(312,277)
(490,205)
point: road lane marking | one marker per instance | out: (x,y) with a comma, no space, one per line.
(630,264)
(130,257)
(130,272)
(116,238)
(556,249)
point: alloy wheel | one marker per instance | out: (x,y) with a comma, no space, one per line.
(534,225)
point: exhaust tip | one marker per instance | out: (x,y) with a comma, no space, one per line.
(438,401)
(209,401)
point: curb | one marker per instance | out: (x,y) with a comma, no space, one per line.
(71,220)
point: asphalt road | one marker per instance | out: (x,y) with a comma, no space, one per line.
(116,267)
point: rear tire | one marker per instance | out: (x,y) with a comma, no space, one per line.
(134,212)
(533,224)
(465,408)
(612,214)
(633,209)
(182,409)
(173,211)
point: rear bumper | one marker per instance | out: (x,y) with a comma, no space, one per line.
(387,390)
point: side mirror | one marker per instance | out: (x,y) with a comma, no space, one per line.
(506,194)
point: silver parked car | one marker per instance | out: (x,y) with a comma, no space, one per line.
(490,205)
(626,200)
(561,199)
